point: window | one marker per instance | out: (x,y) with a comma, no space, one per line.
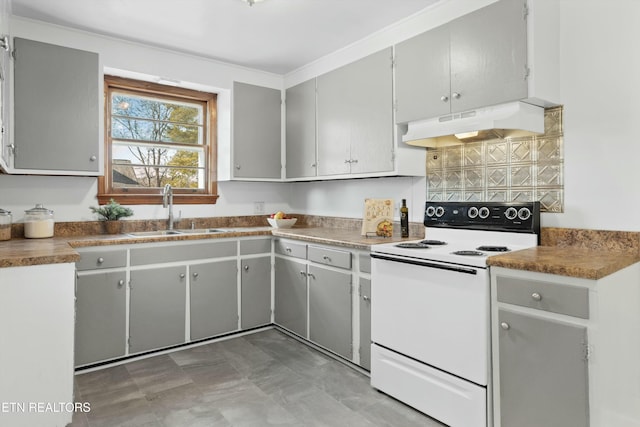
(157,135)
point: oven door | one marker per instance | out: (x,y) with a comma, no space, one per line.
(433,312)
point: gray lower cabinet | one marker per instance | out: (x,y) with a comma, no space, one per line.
(213,298)
(543,372)
(53,87)
(365,323)
(255,291)
(100,331)
(157,308)
(291,295)
(330,311)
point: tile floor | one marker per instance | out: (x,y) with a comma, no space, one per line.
(262,379)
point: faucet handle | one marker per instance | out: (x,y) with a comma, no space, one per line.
(178,218)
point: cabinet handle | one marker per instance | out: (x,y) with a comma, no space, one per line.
(311,275)
(366,298)
(326,258)
(246,268)
(195,275)
(313,165)
(455,95)
(444,98)
(354,160)
(120,283)
(347,161)
(505,326)
(303,274)
(536,296)
(287,249)
(237,167)
(182,275)
(100,260)
(93,158)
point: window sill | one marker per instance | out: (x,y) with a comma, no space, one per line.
(153,199)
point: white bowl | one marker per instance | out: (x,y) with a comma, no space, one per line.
(282,223)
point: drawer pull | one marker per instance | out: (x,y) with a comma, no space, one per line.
(100,260)
(536,296)
(326,258)
(505,326)
(287,249)
(364,297)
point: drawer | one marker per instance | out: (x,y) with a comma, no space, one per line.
(365,263)
(333,257)
(289,248)
(179,252)
(548,296)
(255,246)
(93,259)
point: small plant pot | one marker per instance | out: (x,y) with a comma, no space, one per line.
(113,227)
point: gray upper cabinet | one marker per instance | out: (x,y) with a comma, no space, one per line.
(256,132)
(355,117)
(477,60)
(56,108)
(301,130)
(5,63)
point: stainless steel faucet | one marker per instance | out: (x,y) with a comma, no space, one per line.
(167,201)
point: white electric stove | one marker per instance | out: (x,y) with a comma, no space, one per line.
(430,307)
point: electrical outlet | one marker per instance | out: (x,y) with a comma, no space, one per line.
(258,208)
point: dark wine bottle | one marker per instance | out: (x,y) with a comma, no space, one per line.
(404,219)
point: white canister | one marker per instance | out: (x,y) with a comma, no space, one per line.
(38,223)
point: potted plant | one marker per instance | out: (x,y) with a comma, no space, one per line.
(110,214)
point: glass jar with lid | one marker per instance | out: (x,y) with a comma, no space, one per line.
(5,225)
(38,222)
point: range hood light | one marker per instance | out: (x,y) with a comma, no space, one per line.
(465,135)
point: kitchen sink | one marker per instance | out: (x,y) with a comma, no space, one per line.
(154,233)
(202,230)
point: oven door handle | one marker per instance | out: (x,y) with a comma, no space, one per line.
(458,269)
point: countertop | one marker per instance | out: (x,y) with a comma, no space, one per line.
(25,252)
(566,261)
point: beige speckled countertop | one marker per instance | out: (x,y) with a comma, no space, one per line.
(25,252)
(566,261)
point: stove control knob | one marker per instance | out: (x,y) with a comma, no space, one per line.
(430,211)
(472,212)
(439,211)
(524,214)
(511,213)
(484,212)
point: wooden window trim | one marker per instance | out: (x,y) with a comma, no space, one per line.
(154,197)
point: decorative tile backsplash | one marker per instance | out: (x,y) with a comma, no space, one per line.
(511,169)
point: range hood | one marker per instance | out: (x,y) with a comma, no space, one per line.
(499,121)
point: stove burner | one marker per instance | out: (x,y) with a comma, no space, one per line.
(419,245)
(433,242)
(468,253)
(493,248)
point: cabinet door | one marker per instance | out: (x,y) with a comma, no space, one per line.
(5,62)
(365,323)
(56,108)
(489,56)
(290,309)
(543,372)
(423,76)
(214,298)
(101,332)
(157,308)
(256,131)
(355,117)
(256,291)
(330,310)
(301,130)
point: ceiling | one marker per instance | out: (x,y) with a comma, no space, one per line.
(278,36)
